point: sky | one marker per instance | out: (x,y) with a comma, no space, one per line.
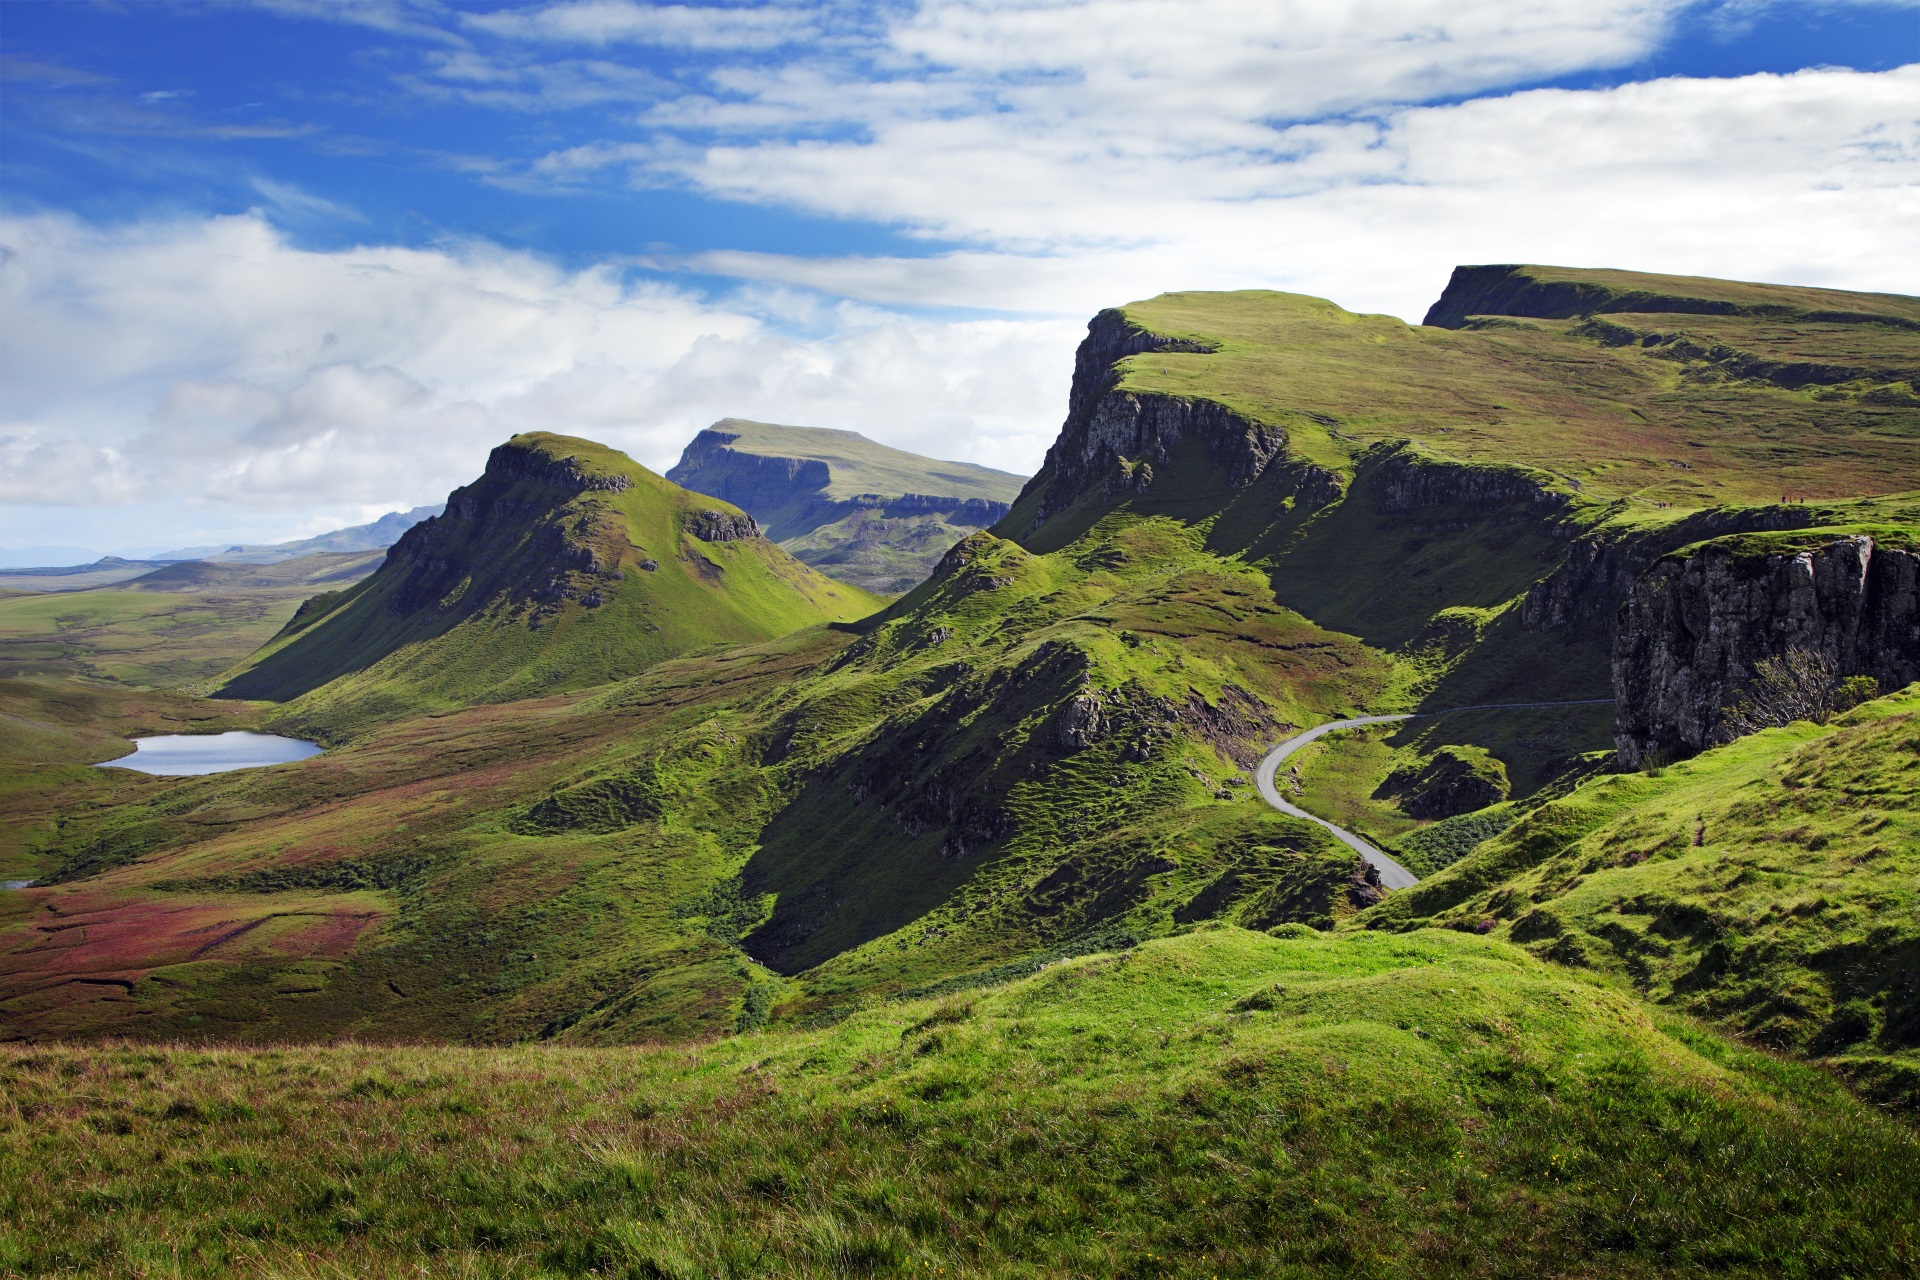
(272,267)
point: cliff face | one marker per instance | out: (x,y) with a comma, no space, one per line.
(1112,440)
(753,482)
(862,512)
(1693,627)
(1583,595)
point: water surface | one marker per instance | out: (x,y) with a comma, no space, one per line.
(176,755)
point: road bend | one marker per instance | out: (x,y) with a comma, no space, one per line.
(1392,874)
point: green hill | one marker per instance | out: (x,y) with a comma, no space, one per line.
(1039,752)
(566,564)
(859,511)
(1222,1103)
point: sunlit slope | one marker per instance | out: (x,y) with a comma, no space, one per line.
(566,564)
(856,510)
(1692,409)
(1220,1104)
(1030,757)
(1771,885)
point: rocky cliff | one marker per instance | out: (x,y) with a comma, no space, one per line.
(1113,440)
(1695,624)
(863,512)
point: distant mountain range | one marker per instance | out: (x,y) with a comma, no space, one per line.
(382,533)
(862,512)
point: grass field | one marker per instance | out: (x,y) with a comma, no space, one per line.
(1219,1104)
(173,627)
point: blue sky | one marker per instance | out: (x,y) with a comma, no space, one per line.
(274,267)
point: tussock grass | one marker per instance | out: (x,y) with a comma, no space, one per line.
(1222,1103)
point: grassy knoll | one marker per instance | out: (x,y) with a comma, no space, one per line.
(169,627)
(1222,1103)
(1768,885)
(566,565)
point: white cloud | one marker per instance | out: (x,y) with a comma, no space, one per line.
(210,363)
(1810,178)
(601,22)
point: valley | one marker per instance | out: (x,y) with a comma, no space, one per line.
(839,871)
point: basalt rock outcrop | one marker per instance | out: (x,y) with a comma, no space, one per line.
(1115,440)
(860,511)
(1583,594)
(1695,624)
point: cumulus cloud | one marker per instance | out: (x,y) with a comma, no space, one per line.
(1065,155)
(212,362)
(1803,178)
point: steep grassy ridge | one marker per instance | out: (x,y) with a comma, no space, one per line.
(565,565)
(1220,1104)
(1769,885)
(862,512)
(1038,752)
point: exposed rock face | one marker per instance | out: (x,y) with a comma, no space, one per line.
(721,526)
(1456,780)
(1411,482)
(1693,628)
(1114,440)
(1584,594)
(750,480)
(509,534)
(510,462)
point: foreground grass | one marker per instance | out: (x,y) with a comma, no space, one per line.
(1768,885)
(1222,1103)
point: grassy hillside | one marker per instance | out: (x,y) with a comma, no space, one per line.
(1567,397)
(168,627)
(861,512)
(52,733)
(1768,885)
(1040,751)
(1029,757)
(567,564)
(1219,1104)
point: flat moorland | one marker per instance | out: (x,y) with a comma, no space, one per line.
(169,627)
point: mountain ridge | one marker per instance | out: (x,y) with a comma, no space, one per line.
(858,510)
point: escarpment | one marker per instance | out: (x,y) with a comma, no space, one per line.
(1113,440)
(1694,626)
(862,512)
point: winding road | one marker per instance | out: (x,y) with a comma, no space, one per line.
(1392,874)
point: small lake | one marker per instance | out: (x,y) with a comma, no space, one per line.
(177,755)
(14,884)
